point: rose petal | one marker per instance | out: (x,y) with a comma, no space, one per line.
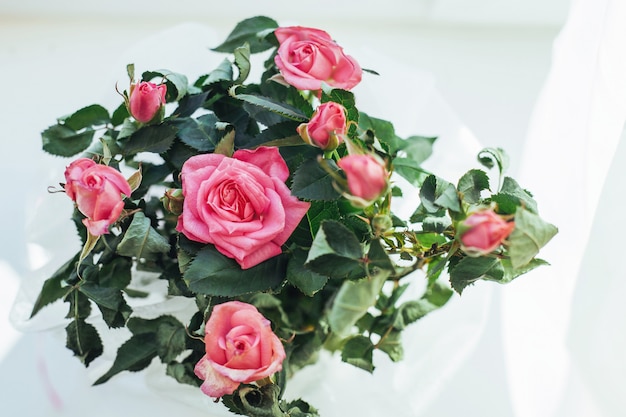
(215,384)
(267,158)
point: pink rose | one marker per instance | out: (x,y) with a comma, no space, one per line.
(366,175)
(240,204)
(240,348)
(146,100)
(483,231)
(326,128)
(307,57)
(97,190)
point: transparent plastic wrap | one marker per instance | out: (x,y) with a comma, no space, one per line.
(434,346)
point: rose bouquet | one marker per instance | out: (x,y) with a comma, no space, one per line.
(269,208)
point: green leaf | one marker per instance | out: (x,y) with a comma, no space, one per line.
(427,240)
(391,344)
(129,126)
(53,288)
(224,72)
(83,340)
(51,291)
(336,252)
(119,115)
(80,307)
(134,355)
(311,182)
(377,257)
(110,298)
(271,105)
(183,373)
(437,294)
(130,70)
(491,157)
(411,311)
(381,129)
(416,148)
(242,61)
(89,116)
(468,270)
(199,133)
(115,311)
(212,273)
(434,224)
(252,31)
(511,273)
(299,408)
(141,240)
(116,318)
(62,141)
(531,233)
(279,134)
(437,193)
(171,338)
(189,104)
(471,184)
(410,170)
(303,278)
(511,196)
(153,138)
(320,211)
(358,351)
(353,300)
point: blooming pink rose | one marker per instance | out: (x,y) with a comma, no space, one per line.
(240,204)
(240,348)
(483,231)
(326,128)
(146,100)
(307,57)
(97,190)
(367,176)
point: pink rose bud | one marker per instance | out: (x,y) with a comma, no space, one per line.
(483,231)
(367,177)
(146,100)
(240,348)
(308,57)
(326,128)
(97,191)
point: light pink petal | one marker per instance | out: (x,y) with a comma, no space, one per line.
(262,254)
(267,158)
(298,33)
(201,161)
(97,228)
(215,384)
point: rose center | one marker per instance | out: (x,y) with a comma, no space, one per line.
(232,203)
(241,347)
(92,181)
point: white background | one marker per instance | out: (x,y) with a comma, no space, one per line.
(488,59)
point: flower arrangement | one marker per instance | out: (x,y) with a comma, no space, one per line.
(268,206)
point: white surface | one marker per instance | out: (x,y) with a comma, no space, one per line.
(498,12)
(528,358)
